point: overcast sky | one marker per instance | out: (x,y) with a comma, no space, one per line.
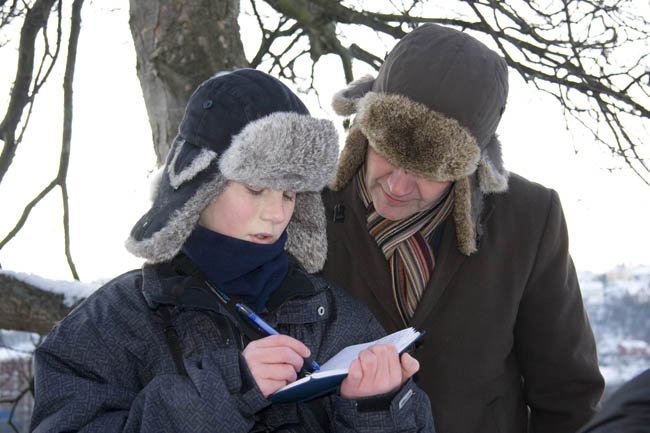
(112,160)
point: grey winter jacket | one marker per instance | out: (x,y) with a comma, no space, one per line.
(108,367)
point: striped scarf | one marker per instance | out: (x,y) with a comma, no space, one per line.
(404,244)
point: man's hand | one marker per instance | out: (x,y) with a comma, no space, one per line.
(377,371)
(275,361)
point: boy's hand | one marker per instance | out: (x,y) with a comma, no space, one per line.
(378,370)
(275,361)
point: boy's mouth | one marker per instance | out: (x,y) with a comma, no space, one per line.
(264,238)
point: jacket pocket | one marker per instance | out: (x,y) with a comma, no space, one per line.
(507,411)
(497,415)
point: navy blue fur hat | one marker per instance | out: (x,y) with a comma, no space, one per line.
(249,127)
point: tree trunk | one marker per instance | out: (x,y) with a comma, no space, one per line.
(179,44)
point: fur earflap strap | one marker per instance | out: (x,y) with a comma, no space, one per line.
(465,226)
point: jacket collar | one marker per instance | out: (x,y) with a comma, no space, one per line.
(300,298)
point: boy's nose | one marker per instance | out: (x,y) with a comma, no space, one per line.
(274,209)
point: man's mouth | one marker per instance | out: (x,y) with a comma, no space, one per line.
(392,199)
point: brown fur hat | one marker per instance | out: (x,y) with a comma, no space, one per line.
(433,110)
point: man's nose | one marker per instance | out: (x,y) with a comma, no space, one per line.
(400,182)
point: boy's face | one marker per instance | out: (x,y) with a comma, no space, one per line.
(396,193)
(249,213)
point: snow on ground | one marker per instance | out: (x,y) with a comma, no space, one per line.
(15,344)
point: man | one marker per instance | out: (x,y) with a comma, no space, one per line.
(429,230)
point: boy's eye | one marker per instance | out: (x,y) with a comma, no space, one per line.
(291,196)
(254,190)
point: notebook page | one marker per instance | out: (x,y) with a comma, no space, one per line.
(342,360)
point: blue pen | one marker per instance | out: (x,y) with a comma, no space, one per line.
(257,320)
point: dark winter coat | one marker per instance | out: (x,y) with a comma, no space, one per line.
(506,331)
(108,367)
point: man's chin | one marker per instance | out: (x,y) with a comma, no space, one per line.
(393,213)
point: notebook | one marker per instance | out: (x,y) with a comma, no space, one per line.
(332,372)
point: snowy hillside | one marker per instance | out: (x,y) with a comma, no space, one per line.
(618,304)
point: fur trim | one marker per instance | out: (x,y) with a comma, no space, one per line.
(284,151)
(465,224)
(491,180)
(352,157)
(167,242)
(411,136)
(344,101)
(492,176)
(154,184)
(307,232)
(180,170)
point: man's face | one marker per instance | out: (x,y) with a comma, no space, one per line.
(396,193)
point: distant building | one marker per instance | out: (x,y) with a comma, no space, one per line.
(634,349)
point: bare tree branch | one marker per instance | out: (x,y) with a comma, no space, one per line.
(269,36)
(9,12)
(61,176)
(35,20)
(68,78)
(14,405)
(576,51)
(30,206)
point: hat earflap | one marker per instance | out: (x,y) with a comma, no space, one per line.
(307,232)
(492,176)
(165,243)
(344,102)
(186,161)
(465,223)
(351,158)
